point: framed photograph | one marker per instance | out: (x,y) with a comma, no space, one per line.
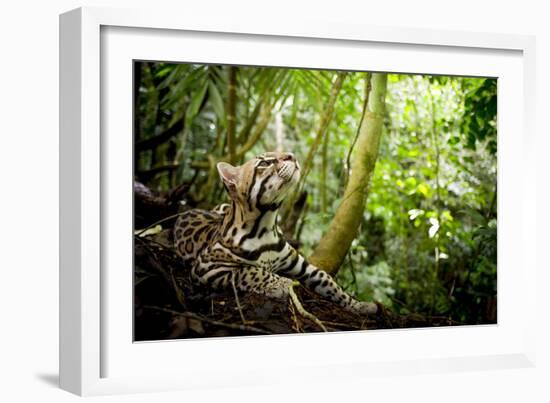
(238,199)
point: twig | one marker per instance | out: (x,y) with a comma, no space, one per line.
(301,308)
(210,321)
(158,222)
(157,262)
(368,87)
(398,301)
(294,318)
(168,276)
(149,243)
(237,298)
(179,293)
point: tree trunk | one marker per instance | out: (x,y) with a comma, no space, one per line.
(333,247)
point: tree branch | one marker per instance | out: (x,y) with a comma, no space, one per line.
(144,175)
(230,113)
(247,128)
(155,141)
(256,133)
(324,122)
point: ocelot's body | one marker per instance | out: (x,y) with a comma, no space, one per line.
(239,243)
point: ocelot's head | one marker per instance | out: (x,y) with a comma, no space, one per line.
(263,182)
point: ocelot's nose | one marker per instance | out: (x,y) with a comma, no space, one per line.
(287,157)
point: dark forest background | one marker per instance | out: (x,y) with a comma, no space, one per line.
(425,241)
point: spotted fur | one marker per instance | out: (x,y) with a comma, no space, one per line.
(239,243)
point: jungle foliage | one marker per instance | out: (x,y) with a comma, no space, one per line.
(427,234)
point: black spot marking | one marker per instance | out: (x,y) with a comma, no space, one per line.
(199,232)
(231,219)
(292,264)
(255,254)
(253,231)
(313,285)
(302,271)
(218,275)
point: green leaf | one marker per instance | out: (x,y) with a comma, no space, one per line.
(410,182)
(149,231)
(216,100)
(423,189)
(164,71)
(195,104)
(454,140)
(447,215)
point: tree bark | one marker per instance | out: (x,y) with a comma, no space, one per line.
(333,247)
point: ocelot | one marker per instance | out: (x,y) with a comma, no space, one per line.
(240,243)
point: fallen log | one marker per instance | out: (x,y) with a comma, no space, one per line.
(168,304)
(151,206)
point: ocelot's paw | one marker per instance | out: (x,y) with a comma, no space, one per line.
(278,288)
(365,308)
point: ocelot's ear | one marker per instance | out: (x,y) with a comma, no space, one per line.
(229,175)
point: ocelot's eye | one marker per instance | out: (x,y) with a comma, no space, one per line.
(263,164)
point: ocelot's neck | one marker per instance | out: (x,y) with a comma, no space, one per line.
(241,226)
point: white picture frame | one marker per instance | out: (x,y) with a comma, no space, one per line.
(96,354)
